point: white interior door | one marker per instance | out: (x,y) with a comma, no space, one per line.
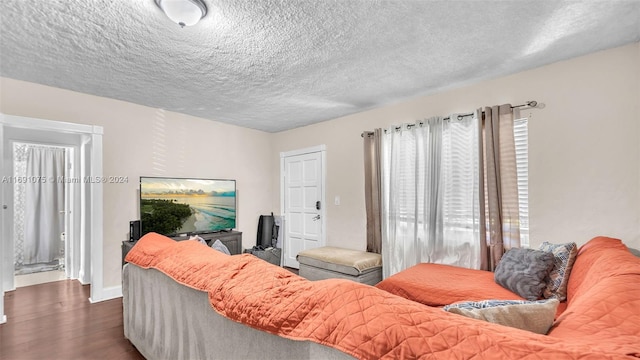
(302,203)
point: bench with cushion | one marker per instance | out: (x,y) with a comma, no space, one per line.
(332,262)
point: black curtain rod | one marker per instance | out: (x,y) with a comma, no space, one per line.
(528,103)
(531,104)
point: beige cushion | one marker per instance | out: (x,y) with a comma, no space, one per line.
(351,261)
(536,317)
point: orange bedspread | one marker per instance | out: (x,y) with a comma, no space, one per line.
(603,297)
(439,285)
(357,319)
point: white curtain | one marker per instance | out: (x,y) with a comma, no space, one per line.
(44,199)
(430,187)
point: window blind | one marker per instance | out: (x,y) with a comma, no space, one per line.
(521,137)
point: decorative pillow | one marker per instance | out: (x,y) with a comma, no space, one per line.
(523,271)
(534,316)
(484,304)
(564,255)
(199,239)
(218,245)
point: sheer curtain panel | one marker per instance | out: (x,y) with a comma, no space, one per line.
(430,201)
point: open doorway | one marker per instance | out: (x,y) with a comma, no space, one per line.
(84,226)
(37,206)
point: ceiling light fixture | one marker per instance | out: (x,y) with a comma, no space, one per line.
(183,12)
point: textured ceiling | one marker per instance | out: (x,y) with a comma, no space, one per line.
(276,65)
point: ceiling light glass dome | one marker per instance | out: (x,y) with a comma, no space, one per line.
(183,12)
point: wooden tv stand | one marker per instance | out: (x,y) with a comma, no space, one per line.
(231,239)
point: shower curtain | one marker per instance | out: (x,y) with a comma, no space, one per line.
(44,201)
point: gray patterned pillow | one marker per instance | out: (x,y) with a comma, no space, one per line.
(523,271)
(564,255)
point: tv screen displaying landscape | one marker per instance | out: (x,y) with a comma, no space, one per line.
(171,206)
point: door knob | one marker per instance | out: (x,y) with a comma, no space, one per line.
(316,218)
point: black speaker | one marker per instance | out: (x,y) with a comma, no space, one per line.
(265,231)
(134,230)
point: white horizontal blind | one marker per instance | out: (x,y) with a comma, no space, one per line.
(460,169)
(400,157)
(521,137)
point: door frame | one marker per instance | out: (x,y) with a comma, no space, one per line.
(91,232)
(3,227)
(322,149)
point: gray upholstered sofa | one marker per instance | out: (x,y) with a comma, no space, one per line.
(166,320)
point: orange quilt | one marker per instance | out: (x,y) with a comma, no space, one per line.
(358,319)
(440,285)
(603,297)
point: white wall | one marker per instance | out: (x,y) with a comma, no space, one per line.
(584,154)
(142,141)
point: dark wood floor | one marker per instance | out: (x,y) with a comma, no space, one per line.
(56,321)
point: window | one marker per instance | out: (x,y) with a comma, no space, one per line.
(521,137)
(431,193)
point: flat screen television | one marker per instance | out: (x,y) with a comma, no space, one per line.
(172,206)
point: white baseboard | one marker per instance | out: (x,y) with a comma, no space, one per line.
(3,319)
(109,293)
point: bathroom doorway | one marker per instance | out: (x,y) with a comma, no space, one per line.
(86,218)
(45,243)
